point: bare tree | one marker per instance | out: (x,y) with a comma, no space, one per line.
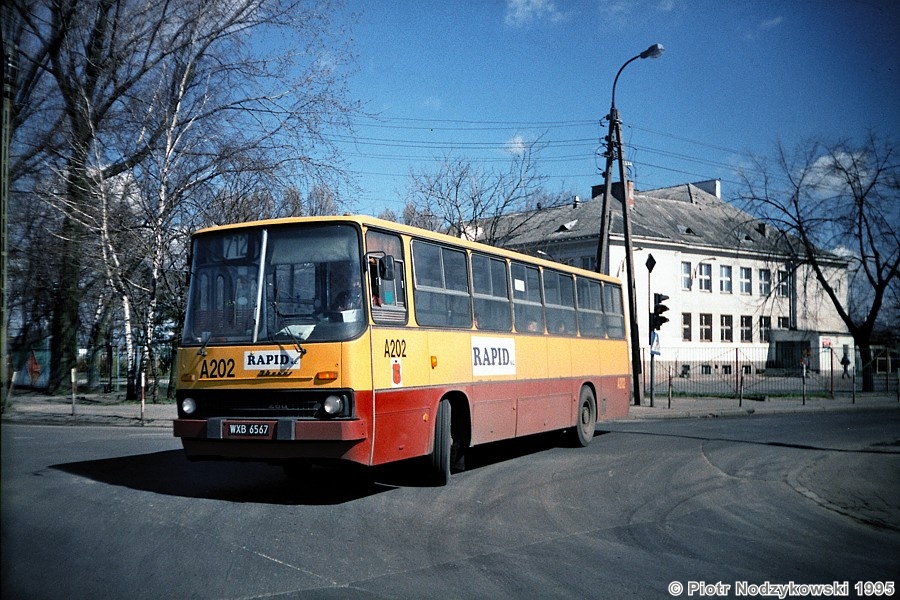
(842,199)
(322,201)
(464,200)
(388,215)
(176,96)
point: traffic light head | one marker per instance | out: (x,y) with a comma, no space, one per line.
(657,319)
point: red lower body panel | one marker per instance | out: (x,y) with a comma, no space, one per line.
(403,422)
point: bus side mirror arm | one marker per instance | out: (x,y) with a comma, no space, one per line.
(386,267)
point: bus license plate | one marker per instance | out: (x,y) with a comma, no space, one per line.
(249,429)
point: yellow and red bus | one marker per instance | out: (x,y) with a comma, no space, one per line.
(362,340)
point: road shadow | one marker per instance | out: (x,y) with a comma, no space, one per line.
(171,473)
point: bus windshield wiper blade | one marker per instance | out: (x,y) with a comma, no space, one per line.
(288,329)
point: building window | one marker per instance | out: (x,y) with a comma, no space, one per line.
(726,369)
(784,284)
(746,328)
(726,332)
(685,327)
(705,327)
(725,279)
(705,370)
(765,282)
(589,263)
(765,329)
(686,279)
(784,322)
(746,280)
(704,276)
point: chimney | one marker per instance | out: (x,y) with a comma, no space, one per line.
(761,228)
(576,202)
(617,191)
(711,186)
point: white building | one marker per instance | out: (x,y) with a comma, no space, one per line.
(738,296)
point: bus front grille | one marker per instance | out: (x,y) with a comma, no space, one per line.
(297,404)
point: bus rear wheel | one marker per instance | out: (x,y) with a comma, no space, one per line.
(583,432)
(440,458)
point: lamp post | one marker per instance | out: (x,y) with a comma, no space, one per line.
(614,150)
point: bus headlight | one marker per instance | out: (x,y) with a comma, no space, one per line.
(333,405)
(188,406)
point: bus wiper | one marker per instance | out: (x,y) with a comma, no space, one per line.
(288,330)
(204,337)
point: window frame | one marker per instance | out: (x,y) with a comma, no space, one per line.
(726,328)
(747,329)
(687,280)
(746,280)
(706,327)
(704,277)
(725,279)
(765,281)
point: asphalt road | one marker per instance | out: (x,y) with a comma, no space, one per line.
(117,512)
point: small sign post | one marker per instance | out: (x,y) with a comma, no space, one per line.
(654,352)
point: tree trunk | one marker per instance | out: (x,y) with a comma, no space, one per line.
(65,322)
(868,368)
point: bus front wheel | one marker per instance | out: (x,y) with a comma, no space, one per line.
(440,457)
(583,431)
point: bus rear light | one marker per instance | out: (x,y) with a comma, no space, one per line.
(188,406)
(434,362)
(327,375)
(333,405)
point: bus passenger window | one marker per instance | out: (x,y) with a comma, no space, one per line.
(491,291)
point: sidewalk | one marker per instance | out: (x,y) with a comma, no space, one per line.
(684,408)
(111,409)
(89,409)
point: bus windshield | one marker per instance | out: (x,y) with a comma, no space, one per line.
(282,284)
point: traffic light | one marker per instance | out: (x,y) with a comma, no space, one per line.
(657,319)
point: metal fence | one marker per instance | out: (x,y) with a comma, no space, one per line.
(754,373)
(104,369)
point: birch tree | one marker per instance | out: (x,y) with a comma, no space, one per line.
(180,98)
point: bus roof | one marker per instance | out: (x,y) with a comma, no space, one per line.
(416,232)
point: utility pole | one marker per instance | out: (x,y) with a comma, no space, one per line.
(614,151)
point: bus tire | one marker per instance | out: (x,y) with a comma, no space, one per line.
(439,460)
(583,432)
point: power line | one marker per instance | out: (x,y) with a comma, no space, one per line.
(591,146)
(473,125)
(478,125)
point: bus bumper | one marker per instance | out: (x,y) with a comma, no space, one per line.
(284,429)
(208,439)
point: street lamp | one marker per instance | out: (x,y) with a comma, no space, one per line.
(613,150)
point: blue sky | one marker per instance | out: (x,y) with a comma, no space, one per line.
(468,78)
